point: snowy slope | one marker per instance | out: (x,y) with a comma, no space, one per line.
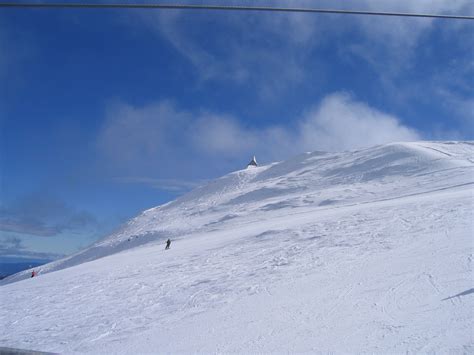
(368,250)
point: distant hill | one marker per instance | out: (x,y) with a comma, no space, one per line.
(10,266)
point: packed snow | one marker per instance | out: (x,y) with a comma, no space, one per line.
(361,251)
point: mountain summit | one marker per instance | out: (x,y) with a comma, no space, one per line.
(310,181)
(367,250)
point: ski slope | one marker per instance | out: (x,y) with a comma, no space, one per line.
(361,251)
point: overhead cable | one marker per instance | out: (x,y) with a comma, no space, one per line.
(224,8)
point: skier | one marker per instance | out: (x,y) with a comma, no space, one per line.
(168,243)
(33,273)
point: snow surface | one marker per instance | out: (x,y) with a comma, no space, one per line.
(361,251)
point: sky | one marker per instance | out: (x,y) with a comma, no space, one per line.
(106,113)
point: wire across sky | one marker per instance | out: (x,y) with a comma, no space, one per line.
(86,5)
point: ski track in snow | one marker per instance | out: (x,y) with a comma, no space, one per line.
(344,265)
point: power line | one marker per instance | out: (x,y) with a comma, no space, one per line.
(226,8)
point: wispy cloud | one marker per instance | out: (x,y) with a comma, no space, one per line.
(166,141)
(392,36)
(272,54)
(13,247)
(28,226)
(43,216)
(173,185)
(235,54)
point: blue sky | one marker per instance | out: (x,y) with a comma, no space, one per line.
(105,113)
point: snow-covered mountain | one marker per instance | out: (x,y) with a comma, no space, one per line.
(368,250)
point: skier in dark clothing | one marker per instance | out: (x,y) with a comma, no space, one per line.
(168,243)
(33,274)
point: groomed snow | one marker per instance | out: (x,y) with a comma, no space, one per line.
(362,251)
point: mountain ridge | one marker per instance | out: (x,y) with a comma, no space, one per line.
(279,185)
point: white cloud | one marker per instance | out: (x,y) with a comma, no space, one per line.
(222,135)
(341,123)
(168,143)
(131,132)
(337,123)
